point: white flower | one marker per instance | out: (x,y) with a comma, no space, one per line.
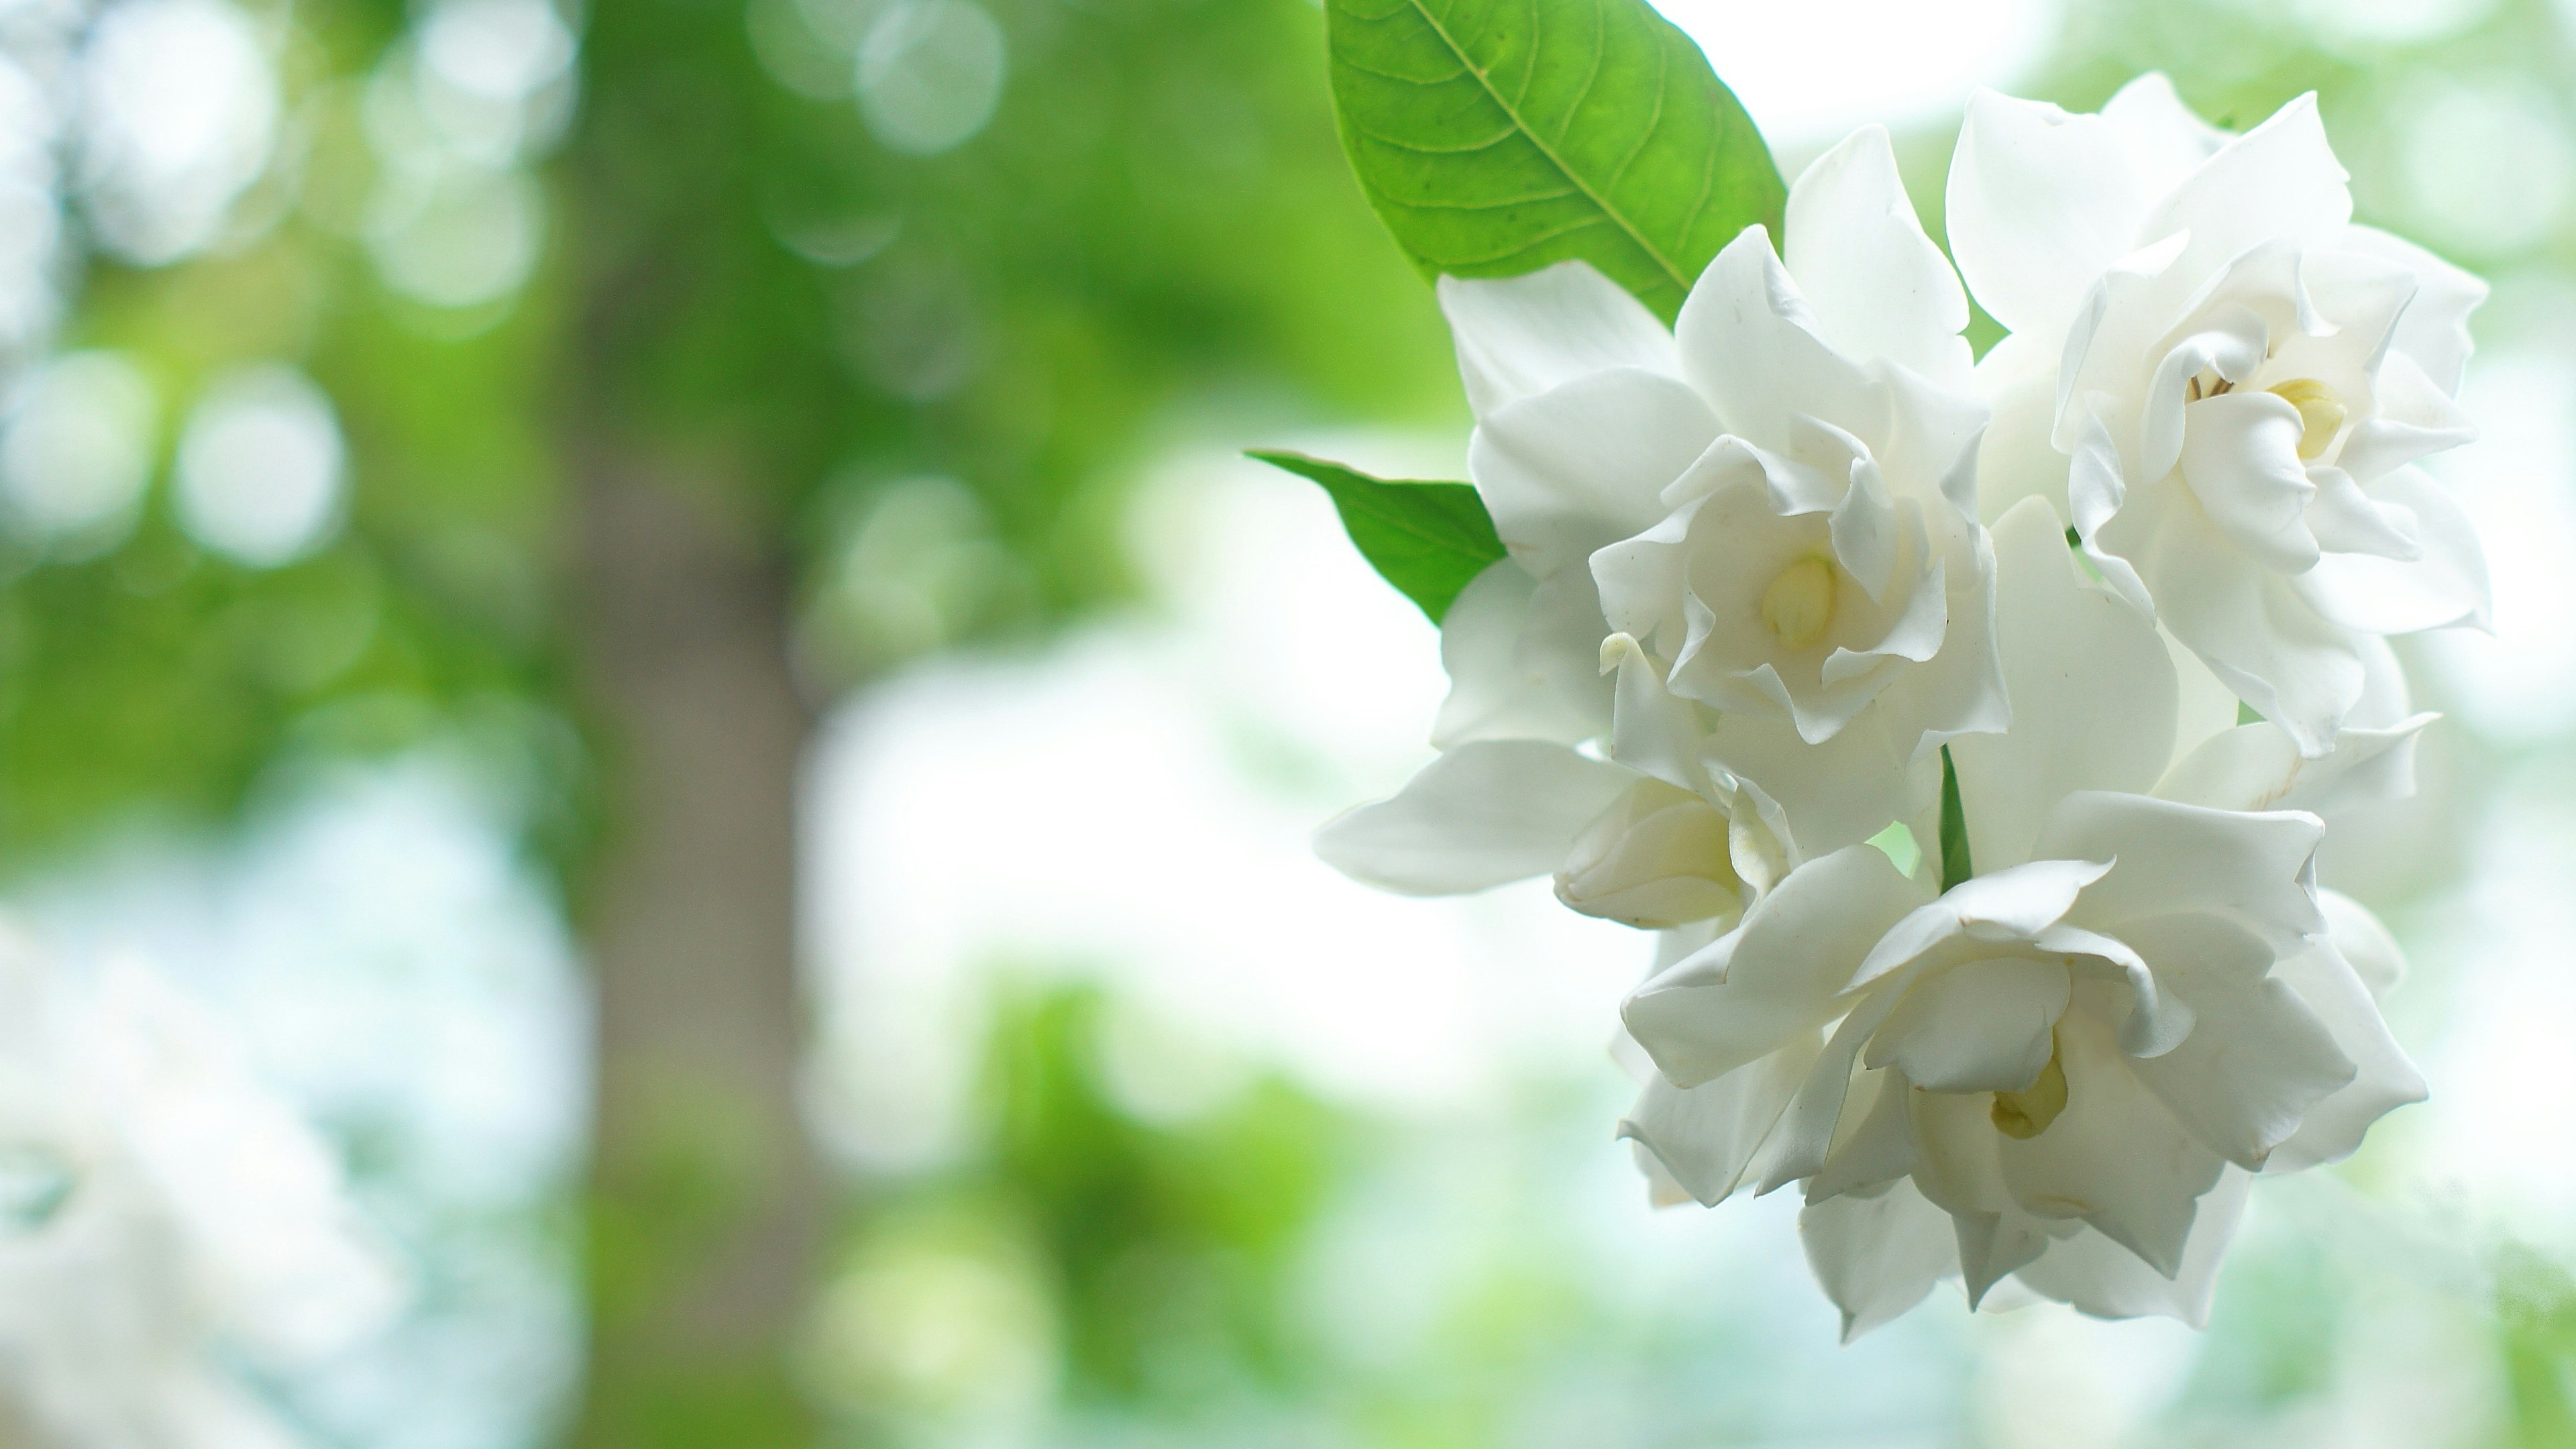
(1821,579)
(160,1213)
(2061,1069)
(2224,380)
(1775,501)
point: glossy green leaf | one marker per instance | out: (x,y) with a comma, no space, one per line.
(1427,539)
(1499,136)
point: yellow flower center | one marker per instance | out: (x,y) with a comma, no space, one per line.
(2026,1114)
(1800,602)
(2321,413)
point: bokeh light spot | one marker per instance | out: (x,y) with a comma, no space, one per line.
(930,75)
(260,467)
(182,111)
(76,450)
(2487,166)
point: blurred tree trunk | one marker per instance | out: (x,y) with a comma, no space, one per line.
(708,1204)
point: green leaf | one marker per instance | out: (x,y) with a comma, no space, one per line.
(1955,866)
(1427,539)
(1499,136)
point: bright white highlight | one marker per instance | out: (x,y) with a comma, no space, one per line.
(2518,685)
(930,75)
(1805,78)
(76,449)
(260,467)
(2487,166)
(504,49)
(462,239)
(182,110)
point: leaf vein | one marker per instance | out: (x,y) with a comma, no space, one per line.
(1653,253)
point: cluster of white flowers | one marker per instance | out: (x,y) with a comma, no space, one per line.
(1772,571)
(162,1218)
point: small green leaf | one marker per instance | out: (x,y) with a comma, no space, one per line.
(2247,714)
(1427,539)
(1955,867)
(1499,136)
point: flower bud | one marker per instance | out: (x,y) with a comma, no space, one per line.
(1656,858)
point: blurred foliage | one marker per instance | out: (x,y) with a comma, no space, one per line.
(1172,1247)
(750,290)
(2537,1341)
(1157,210)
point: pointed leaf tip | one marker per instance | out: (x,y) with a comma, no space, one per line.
(1428,539)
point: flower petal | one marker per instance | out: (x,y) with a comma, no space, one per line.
(1877,283)
(2278,181)
(1816,1116)
(1776,975)
(1754,347)
(1932,439)
(2259,633)
(2165,141)
(2344,519)
(1961,1172)
(2040,202)
(1876,1257)
(2013,904)
(2094,1275)
(1874,1145)
(2095,489)
(2435,329)
(1522,660)
(1653,730)
(2412,419)
(1571,469)
(2016,458)
(2257,1059)
(2114,1157)
(2093,695)
(2240,454)
(1836,793)
(2446,585)
(2326,978)
(2256,869)
(1487,812)
(2258,767)
(1521,336)
(2364,942)
(2209,708)
(1704,1136)
(1981,1026)
(1963,692)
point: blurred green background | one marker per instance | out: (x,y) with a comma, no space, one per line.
(654,601)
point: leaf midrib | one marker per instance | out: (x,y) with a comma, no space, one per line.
(1521,124)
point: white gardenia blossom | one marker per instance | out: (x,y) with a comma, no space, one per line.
(1751,607)
(1777,502)
(2224,381)
(2064,1069)
(161,1215)
(1821,581)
